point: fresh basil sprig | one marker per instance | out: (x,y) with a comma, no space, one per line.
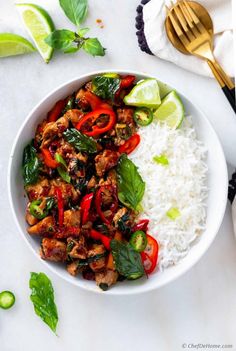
(80,141)
(42,296)
(105,86)
(30,164)
(69,41)
(127,261)
(131,186)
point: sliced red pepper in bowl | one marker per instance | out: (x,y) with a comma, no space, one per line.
(130,144)
(48,159)
(85,207)
(87,125)
(127,81)
(56,111)
(150,254)
(95,102)
(94,234)
(99,202)
(141,225)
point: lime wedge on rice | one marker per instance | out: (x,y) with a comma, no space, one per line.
(13,44)
(39,25)
(171,111)
(145,94)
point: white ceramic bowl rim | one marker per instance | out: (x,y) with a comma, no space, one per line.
(133,287)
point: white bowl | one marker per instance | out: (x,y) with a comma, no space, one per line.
(216,203)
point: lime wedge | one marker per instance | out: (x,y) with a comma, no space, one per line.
(39,25)
(145,94)
(13,44)
(171,111)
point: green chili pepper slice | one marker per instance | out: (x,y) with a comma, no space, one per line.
(7,299)
(37,211)
(138,241)
(143,116)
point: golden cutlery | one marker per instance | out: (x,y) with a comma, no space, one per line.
(190,29)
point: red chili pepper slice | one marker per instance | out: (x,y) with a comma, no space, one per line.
(99,202)
(48,159)
(141,225)
(85,207)
(55,112)
(127,81)
(130,144)
(150,254)
(95,102)
(89,121)
(60,206)
(101,237)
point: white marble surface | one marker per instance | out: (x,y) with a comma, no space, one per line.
(197,308)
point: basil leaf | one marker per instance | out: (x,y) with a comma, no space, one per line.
(60,39)
(127,261)
(30,164)
(131,187)
(42,296)
(93,47)
(62,170)
(105,87)
(71,50)
(80,141)
(83,31)
(75,10)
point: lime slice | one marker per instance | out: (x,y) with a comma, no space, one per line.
(145,94)
(13,44)
(39,25)
(171,111)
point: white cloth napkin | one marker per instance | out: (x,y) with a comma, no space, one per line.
(154,14)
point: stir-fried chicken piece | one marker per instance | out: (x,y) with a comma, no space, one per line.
(119,214)
(85,229)
(106,278)
(73,268)
(125,115)
(77,165)
(77,247)
(92,183)
(54,130)
(72,218)
(65,149)
(69,193)
(105,161)
(45,227)
(110,180)
(100,263)
(53,250)
(38,190)
(81,99)
(74,116)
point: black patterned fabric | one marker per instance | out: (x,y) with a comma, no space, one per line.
(232,188)
(139,24)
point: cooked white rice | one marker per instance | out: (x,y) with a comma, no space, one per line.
(181,184)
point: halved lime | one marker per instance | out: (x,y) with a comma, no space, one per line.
(171,111)
(144,94)
(39,25)
(13,44)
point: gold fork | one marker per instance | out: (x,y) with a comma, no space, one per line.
(196,40)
